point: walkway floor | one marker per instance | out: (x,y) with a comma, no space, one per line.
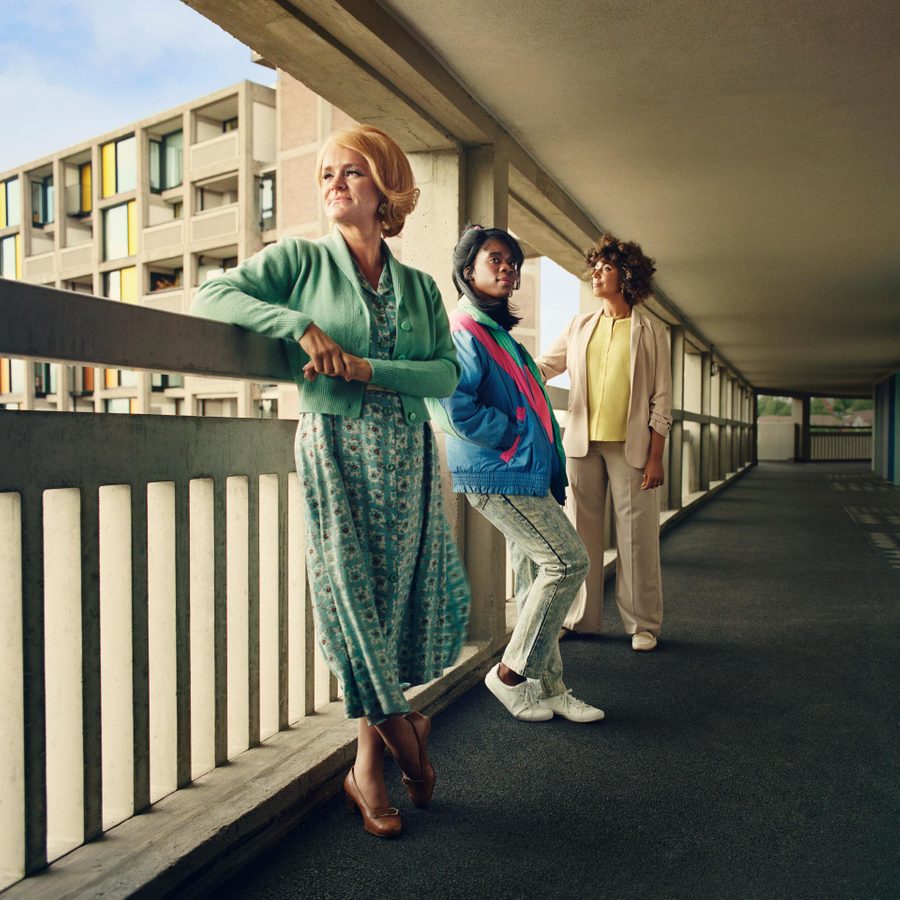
(752,755)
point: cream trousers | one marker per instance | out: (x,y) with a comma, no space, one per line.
(638,580)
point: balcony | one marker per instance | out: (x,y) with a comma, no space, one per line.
(156,620)
(216,153)
(158,240)
(40,267)
(218,224)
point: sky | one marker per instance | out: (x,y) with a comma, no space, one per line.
(73,69)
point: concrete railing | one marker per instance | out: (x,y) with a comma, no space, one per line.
(840,443)
(154,616)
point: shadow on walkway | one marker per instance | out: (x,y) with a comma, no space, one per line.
(753,754)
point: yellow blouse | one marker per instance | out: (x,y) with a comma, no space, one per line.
(609,379)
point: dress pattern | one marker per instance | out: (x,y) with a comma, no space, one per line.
(389,595)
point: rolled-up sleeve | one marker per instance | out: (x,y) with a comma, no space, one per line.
(661,396)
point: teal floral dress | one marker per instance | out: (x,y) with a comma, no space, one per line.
(389,594)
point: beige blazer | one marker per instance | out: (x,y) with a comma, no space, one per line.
(651,383)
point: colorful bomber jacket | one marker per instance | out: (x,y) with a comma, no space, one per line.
(502,436)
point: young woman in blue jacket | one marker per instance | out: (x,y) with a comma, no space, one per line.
(505,454)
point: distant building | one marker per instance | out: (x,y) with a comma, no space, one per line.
(146,213)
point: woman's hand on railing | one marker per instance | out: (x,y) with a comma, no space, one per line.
(325,356)
(328,358)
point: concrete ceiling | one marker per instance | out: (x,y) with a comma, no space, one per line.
(751,148)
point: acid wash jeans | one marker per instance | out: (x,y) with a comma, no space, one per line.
(550,564)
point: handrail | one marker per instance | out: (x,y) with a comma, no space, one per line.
(45,323)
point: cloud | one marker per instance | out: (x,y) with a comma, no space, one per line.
(73,69)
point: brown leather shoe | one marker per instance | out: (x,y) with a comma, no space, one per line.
(420,789)
(383,822)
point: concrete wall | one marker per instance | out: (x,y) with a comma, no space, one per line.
(886,447)
(776,440)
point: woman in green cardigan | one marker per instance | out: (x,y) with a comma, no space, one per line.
(368,340)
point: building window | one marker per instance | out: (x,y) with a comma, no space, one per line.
(10,195)
(42,201)
(118,166)
(208,267)
(121,284)
(267,201)
(120,231)
(267,408)
(79,201)
(9,256)
(230,124)
(44,379)
(165,281)
(117,405)
(161,382)
(166,155)
(12,376)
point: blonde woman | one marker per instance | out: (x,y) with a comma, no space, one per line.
(367,339)
(620,411)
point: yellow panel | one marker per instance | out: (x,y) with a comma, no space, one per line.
(128,288)
(112,378)
(2,204)
(18,256)
(108,167)
(132,228)
(133,405)
(86,187)
(4,376)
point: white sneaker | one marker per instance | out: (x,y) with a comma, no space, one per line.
(643,640)
(521,699)
(572,708)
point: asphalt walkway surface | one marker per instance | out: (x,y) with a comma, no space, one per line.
(753,754)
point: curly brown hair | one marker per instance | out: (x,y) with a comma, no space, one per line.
(635,268)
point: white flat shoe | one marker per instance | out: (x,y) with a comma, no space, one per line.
(643,640)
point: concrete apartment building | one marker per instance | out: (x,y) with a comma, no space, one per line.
(145,213)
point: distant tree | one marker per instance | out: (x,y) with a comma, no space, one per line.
(767,405)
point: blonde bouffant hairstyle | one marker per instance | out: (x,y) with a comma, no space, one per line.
(390,170)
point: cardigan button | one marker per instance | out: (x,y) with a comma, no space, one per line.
(405,325)
(413,417)
(401,356)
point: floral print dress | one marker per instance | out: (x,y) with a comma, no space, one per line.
(389,594)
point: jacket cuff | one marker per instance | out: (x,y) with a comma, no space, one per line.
(661,425)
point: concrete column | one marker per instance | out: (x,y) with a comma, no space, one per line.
(458,187)
(244,390)
(59,208)
(676,437)
(724,429)
(487,186)
(800,414)
(25,226)
(249,235)
(143,392)
(28,393)
(705,406)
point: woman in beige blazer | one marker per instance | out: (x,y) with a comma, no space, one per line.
(620,403)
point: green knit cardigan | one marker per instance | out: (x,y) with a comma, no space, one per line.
(280,291)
